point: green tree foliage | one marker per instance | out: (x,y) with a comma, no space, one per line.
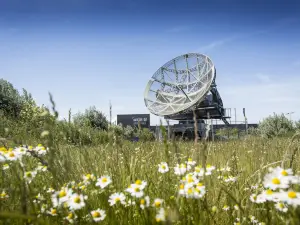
(93,118)
(10,100)
(145,135)
(297,125)
(276,125)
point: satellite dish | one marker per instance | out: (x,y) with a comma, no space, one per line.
(180,85)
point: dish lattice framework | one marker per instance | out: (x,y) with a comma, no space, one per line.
(180,84)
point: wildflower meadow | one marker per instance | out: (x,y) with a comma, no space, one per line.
(251,181)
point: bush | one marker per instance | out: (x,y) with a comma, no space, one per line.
(93,118)
(145,135)
(276,125)
(10,100)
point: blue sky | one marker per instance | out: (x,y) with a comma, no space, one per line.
(90,52)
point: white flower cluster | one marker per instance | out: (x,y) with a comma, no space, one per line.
(68,199)
(13,154)
(278,189)
(190,185)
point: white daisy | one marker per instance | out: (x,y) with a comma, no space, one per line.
(21,151)
(199,171)
(142,184)
(71,217)
(226,207)
(191,162)
(274,181)
(161,215)
(3,195)
(209,169)
(12,155)
(52,212)
(145,202)
(5,166)
(163,167)
(76,201)
(268,195)
(135,190)
(158,202)
(29,176)
(88,178)
(257,198)
(230,179)
(40,150)
(290,197)
(61,197)
(191,178)
(280,206)
(103,181)
(181,169)
(98,215)
(117,198)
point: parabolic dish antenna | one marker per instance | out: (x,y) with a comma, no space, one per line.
(179,85)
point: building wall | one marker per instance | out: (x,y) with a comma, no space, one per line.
(133,120)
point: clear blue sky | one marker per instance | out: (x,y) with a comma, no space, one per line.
(87,52)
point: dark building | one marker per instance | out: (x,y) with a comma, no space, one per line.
(134,119)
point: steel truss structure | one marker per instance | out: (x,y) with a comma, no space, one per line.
(183,85)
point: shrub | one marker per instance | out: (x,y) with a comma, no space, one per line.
(10,100)
(276,125)
(93,118)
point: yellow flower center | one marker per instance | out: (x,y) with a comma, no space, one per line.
(275,181)
(163,166)
(142,202)
(96,214)
(62,194)
(284,173)
(197,169)
(40,145)
(11,154)
(190,191)
(88,176)
(157,204)
(190,160)
(3,194)
(269,192)
(190,180)
(208,166)
(28,174)
(181,186)
(199,184)
(70,216)
(77,200)
(292,194)
(136,189)
(53,211)
(139,182)
(117,199)
(104,179)
(281,205)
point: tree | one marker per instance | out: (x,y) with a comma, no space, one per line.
(10,99)
(93,118)
(276,125)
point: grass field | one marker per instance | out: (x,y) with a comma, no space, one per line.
(122,183)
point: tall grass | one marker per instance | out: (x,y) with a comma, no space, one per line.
(127,162)
(232,173)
